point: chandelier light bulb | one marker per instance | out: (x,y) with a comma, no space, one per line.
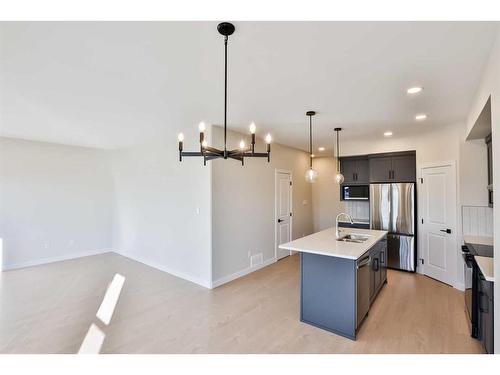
(268,138)
(311,175)
(202,127)
(242,144)
(252,128)
(180,137)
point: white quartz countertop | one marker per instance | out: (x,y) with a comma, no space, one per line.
(480,240)
(325,243)
(486,266)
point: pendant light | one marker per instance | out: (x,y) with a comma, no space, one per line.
(210,153)
(311,174)
(339,177)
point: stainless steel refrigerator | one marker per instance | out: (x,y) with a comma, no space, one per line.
(392,208)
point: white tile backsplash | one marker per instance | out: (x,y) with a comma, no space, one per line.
(359,210)
(477,221)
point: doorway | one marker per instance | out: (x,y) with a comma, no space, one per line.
(283,211)
(438,221)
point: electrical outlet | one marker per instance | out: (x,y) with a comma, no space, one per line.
(45,245)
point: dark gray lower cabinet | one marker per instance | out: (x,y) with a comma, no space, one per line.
(485,302)
(378,277)
(335,293)
(328,293)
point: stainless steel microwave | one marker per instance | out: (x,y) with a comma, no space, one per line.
(355,192)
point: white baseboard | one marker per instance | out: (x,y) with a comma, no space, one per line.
(41,261)
(191,278)
(241,273)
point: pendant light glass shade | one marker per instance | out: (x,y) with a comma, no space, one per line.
(339,177)
(311,175)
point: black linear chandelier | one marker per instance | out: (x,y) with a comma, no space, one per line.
(210,153)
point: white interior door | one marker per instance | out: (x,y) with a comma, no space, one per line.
(283,211)
(438,221)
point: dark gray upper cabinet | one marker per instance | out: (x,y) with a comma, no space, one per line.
(403,168)
(348,169)
(355,170)
(393,168)
(362,171)
(380,169)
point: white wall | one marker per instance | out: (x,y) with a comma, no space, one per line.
(55,202)
(243,205)
(490,85)
(325,194)
(162,208)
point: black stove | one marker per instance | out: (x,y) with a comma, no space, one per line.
(481,250)
(471,280)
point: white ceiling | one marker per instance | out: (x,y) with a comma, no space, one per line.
(113,84)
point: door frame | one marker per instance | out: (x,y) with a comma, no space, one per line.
(420,253)
(276,171)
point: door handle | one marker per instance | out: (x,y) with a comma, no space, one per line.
(445,230)
(280,220)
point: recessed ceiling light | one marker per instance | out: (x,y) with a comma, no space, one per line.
(321,149)
(414,90)
(387,134)
(421,117)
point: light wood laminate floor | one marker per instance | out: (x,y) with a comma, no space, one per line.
(49,309)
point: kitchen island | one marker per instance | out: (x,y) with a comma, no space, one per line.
(340,278)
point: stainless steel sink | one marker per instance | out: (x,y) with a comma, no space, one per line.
(353,237)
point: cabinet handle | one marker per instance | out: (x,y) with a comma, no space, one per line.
(382,257)
(389,174)
(375,264)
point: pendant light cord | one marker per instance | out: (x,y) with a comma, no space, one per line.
(338,153)
(225,97)
(310,142)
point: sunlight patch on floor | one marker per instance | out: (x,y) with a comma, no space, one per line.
(92,343)
(108,304)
